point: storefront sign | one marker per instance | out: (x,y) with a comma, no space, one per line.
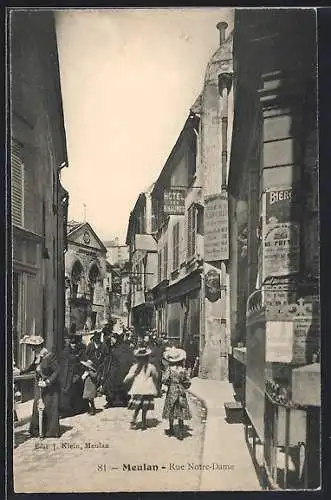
(281,250)
(281,205)
(216,228)
(174,201)
(212,285)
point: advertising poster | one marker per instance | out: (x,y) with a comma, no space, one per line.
(216,230)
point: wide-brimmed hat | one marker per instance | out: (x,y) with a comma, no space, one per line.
(32,340)
(174,355)
(88,364)
(142,352)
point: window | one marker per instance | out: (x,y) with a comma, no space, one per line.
(175,248)
(17,184)
(191,231)
(165,261)
(24,318)
(174,312)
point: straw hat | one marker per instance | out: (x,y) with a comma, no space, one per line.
(142,352)
(88,364)
(174,355)
(32,340)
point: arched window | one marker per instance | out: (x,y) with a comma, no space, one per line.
(93,276)
(76,276)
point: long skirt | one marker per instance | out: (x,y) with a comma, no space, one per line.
(71,401)
(141,402)
(90,389)
(50,422)
(176,408)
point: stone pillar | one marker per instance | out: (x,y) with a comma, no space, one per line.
(214,359)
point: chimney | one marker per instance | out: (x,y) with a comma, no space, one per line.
(222,29)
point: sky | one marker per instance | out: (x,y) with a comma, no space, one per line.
(128,79)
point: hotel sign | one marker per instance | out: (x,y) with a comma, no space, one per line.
(216,228)
(174,201)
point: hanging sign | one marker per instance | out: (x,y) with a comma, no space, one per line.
(216,228)
(281,249)
(174,201)
(212,285)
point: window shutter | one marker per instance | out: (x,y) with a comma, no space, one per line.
(17,184)
(189,226)
(165,261)
(191,231)
(194,227)
(159,265)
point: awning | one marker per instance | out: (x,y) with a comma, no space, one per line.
(185,286)
(145,242)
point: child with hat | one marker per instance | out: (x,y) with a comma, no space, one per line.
(90,389)
(143,376)
(177,380)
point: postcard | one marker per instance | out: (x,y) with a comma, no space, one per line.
(165,257)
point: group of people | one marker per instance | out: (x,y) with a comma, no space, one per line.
(129,370)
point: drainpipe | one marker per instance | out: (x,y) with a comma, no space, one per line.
(225,82)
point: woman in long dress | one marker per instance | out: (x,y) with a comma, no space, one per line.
(46,388)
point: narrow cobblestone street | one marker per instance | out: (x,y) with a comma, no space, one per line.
(69,465)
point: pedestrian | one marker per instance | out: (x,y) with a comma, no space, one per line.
(46,388)
(90,388)
(70,378)
(177,379)
(122,359)
(106,374)
(96,352)
(143,379)
(156,356)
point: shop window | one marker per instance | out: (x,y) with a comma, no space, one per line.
(17,184)
(174,313)
(175,248)
(191,231)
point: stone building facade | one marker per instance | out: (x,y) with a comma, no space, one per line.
(178,232)
(274,250)
(39,203)
(142,263)
(88,279)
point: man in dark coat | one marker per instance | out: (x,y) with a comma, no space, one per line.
(71,384)
(121,361)
(109,343)
(96,352)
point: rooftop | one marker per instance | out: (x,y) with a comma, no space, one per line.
(72,225)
